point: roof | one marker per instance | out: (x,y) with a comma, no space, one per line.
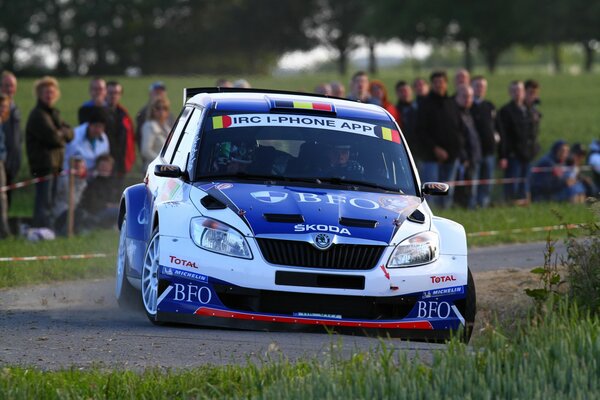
(263,102)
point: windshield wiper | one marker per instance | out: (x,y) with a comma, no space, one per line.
(343,181)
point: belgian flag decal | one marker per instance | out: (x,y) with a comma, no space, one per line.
(307,105)
(388,134)
(223,121)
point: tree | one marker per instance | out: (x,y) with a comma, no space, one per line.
(335,25)
(15,26)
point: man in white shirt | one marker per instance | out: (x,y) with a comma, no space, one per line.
(89,141)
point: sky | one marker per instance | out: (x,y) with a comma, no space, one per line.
(305,60)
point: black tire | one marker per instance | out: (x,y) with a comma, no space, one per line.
(470,308)
(149,297)
(126,295)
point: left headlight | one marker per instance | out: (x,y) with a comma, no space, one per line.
(216,236)
(422,248)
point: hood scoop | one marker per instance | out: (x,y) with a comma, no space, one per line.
(359,223)
(417,216)
(289,218)
(211,203)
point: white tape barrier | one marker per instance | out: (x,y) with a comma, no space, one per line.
(63,257)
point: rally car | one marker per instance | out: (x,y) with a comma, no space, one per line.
(280,210)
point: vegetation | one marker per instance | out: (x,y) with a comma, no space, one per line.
(160,36)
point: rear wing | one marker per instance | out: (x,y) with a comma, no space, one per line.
(191,92)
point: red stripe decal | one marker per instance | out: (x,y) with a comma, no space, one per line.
(395,136)
(215,312)
(226,121)
(321,106)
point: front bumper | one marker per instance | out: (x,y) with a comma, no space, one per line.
(215,290)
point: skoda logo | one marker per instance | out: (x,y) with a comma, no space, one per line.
(322,241)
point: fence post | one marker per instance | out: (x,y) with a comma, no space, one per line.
(71,211)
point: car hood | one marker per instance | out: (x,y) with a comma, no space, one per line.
(276,210)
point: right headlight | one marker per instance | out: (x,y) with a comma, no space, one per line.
(422,248)
(218,237)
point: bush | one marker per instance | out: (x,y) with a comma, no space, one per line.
(583,266)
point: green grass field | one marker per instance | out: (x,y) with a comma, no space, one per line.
(569,105)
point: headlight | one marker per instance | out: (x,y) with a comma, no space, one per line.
(420,249)
(216,236)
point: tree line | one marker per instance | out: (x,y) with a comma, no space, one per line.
(248,36)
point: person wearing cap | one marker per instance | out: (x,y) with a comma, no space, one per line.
(97,99)
(89,140)
(340,165)
(156,90)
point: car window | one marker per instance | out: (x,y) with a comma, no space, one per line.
(306,147)
(187,139)
(173,137)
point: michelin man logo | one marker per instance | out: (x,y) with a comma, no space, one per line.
(269,196)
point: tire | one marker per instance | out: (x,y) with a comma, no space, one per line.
(470,308)
(150,277)
(126,295)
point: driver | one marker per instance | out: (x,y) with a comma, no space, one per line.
(340,165)
(235,156)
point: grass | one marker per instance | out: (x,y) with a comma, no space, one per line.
(556,358)
(21,273)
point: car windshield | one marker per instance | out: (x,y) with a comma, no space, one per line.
(305,148)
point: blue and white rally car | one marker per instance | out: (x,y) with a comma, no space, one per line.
(279,210)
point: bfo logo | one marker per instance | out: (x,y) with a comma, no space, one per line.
(322,241)
(269,196)
(433,309)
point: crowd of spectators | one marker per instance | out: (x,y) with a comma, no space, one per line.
(461,138)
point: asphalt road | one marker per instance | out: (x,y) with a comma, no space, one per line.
(78,324)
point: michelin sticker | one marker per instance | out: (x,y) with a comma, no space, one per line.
(444,292)
(305,121)
(184,274)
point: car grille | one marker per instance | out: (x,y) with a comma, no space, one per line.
(303,254)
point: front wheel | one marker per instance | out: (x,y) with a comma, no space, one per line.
(125,293)
(470,308)
(150,277)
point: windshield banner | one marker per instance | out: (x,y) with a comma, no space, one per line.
(305,121)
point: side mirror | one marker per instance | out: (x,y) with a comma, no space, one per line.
(435,188)
(167,171)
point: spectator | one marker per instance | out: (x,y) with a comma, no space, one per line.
(405,108)
(119,129)
(532,101)
(593,161)
(156,90)
(224,83)
(551,181)
(576,159)
(323,89)
(4,116)
(469,169)
(89,140)
(12,131)
(462,77)
(421,90)
(359,88)
(518,145)
(338,90)
(155,131)
(441,139)
(97,99)
(46,135)
(242,84)
(484,115)
(379,92)
(99,206)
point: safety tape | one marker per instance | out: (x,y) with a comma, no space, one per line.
(28,182)
(523,230)
(64,257)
